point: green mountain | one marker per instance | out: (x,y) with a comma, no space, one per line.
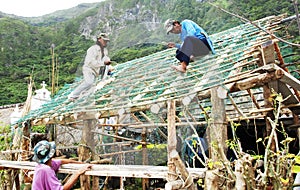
(57,16)
(31,46)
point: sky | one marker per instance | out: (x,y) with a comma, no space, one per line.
(33,8)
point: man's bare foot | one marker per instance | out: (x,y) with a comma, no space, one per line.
(179,68)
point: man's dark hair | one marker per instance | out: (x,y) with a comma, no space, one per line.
(176,21)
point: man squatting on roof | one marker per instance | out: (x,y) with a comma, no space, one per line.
(195,41)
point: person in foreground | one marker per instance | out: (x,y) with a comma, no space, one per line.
(95,62)
(195,41)
(45,172)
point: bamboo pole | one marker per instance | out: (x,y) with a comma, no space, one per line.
(53,70)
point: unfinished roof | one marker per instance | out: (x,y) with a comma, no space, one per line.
(246,58)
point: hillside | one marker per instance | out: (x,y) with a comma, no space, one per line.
(135,27)
(57,16)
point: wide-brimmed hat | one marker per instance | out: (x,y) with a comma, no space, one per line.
(104,36)
(43,151)
(169,24)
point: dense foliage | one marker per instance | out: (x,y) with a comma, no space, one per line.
(26,47)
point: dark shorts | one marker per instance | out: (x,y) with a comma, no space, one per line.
(192,46)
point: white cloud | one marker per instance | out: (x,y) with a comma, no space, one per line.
(32,8)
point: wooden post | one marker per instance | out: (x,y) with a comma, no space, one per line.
(218,126)
(298,134)
(145,181)
(51,132)
(101,136)
(187,180)
(267,57)
(95,179)
(122,162)
(211,180)
(217,134)
(174,159)
(172,141)
(25,145)
(12,176)
(268,104)
(86,149)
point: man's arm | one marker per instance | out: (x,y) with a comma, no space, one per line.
(75,177)
(69,161)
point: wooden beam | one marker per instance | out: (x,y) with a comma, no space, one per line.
(245,76)
(289,96)
(224,89)
(287,78)
(253,98)
(118,153)
(253,82)
(268,53)
(134,171)
(236,107)
(118,137)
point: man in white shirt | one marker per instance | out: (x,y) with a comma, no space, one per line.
(95,61)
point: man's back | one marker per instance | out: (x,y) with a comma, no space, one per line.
(45,178)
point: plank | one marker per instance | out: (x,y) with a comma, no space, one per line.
(134,171)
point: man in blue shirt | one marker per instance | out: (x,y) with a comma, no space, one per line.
(195,41)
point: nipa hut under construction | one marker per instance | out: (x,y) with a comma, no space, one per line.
(146,97)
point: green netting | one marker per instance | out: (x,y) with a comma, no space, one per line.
(150,80)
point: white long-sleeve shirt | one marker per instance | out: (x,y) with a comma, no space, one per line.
(94,58)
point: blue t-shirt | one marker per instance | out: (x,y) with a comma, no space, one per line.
(190,28)
(45,177)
